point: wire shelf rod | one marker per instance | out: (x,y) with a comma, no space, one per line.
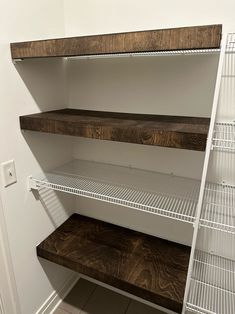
(149,54)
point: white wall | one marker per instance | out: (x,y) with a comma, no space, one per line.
(170,85)
(105,16)
(180,85)
(9,301)
(28,88)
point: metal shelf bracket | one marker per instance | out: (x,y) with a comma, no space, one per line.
(15,61)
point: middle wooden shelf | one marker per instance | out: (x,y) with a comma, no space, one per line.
(158,130)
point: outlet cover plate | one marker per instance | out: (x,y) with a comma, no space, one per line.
(8,173)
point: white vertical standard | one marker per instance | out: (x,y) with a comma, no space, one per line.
(205,166)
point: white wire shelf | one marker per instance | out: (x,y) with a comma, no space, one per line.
(230,50)
(230,46)
(212,282)
(164,195)
(142,54)
(224,137)
(212,286)
(149,54)
(218,210)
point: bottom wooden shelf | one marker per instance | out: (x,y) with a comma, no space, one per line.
(148,267)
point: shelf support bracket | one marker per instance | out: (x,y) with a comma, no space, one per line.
(32,184)
(15,61)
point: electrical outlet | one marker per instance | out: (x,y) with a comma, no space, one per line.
(8,173)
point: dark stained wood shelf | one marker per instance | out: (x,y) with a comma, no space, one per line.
(148,267)
(184,38)
(157,130)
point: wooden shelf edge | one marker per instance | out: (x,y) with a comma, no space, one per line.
(183,38)
(157,130)
(148,267)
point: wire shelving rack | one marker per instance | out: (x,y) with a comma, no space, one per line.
(212,281)
(211,287)
(218,207)
(224,136)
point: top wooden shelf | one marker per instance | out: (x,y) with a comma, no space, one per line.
(184,38)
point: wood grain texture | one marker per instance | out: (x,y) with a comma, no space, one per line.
(196,37)
(157,130)
(149,267)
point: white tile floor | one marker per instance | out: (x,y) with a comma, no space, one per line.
(88,298)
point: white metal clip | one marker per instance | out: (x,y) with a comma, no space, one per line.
(32,184)
(15,61)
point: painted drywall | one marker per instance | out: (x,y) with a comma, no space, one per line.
(104,16)
(180,85)
(30,87)
(9,301)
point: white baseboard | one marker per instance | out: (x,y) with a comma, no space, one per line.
(54,300)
